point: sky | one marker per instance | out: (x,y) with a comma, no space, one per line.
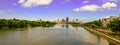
(84,10)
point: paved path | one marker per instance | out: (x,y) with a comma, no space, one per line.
(99,33)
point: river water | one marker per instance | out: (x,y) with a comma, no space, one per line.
(57,35)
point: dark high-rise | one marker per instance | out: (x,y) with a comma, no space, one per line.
(67,19)
(63,21)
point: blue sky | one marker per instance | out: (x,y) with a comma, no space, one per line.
(84,10)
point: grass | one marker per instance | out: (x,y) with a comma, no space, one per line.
(106,31)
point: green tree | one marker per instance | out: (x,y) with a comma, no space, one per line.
(16,23)
(94,24)
(114,25)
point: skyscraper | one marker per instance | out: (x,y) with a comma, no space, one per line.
(63,21)
(77,20)
(67,19)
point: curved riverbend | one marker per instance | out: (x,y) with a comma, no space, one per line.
(57,35)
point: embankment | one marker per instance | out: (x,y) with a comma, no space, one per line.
(103,35)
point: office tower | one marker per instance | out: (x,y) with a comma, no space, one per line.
(67,19)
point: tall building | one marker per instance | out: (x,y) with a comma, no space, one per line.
(58,21)
(73,20)
(67,19)
(63,21)
(40,20)
(77,20)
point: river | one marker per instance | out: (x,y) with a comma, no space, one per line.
(57,35)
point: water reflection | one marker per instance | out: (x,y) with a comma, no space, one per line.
(60,34)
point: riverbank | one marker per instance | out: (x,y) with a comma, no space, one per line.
(17,23)
(103,35)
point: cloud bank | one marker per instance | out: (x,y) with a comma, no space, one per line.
(87,8)
(111,0)
(86,1)
(107,5)
(33,3)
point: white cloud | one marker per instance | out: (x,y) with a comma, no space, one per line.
(33,3)
(110,0)
(109,5)
(87,8)
(1,12)
(65,1)
(21,1)
(86,2)
(76,10)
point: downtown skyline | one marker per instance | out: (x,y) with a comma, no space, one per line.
(84,10)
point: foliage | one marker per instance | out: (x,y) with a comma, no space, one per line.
(114,25)
(75,24)
(16,23)
(94,24)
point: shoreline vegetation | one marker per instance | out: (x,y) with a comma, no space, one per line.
(111,31)
(114,40)
(16,23)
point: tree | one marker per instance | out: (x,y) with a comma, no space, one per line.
(94,24)
(16,23)
(114,25)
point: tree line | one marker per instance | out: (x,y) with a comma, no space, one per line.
(75,24)
(16,23)
(113,25)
